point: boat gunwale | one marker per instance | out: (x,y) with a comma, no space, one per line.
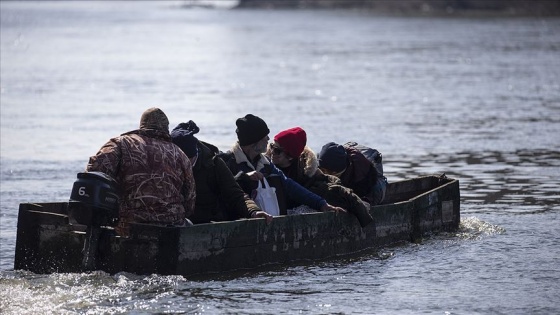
(398,223)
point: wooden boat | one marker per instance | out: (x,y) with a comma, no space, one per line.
(48,241)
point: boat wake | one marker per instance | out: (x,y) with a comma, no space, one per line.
(473,228)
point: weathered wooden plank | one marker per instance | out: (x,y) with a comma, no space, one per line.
(44,242)
(289,238)
(436,210)
(393,223)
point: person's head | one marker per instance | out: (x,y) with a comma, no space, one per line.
(333,159)
(288,146)
(183,136)
(252,132)
(154,118)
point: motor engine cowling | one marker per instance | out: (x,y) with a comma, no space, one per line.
(94,199)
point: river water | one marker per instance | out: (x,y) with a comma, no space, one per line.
(475,98)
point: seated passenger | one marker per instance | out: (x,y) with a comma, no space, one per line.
(218,196)
(249,165)
(291,155)
(354,170)
(154,176)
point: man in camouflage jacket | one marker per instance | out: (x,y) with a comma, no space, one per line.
(155,177)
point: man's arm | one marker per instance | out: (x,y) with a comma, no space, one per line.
(107,159)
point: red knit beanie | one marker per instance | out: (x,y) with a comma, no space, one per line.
(292,140)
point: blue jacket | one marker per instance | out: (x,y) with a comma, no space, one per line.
(240,165)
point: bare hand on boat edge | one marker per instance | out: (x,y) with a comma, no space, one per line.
(262,214)
(328,207)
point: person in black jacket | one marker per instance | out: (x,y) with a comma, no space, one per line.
(218,196)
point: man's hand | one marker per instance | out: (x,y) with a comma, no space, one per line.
(262,214)
(328,207)
(255,175)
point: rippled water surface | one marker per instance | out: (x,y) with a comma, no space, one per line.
(475,98)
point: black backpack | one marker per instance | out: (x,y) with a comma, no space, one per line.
(373,155)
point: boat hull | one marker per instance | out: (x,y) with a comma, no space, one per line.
(48,241)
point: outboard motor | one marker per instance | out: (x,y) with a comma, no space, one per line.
(94,202)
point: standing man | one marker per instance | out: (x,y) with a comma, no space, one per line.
(249,165)
(154,176)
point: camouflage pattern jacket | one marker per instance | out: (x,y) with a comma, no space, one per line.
(154,176)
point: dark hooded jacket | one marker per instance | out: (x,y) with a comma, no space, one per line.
(360,175)
(218,196)
(154,176)
(306,172)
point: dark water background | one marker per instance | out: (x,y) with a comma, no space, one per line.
(475,98)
